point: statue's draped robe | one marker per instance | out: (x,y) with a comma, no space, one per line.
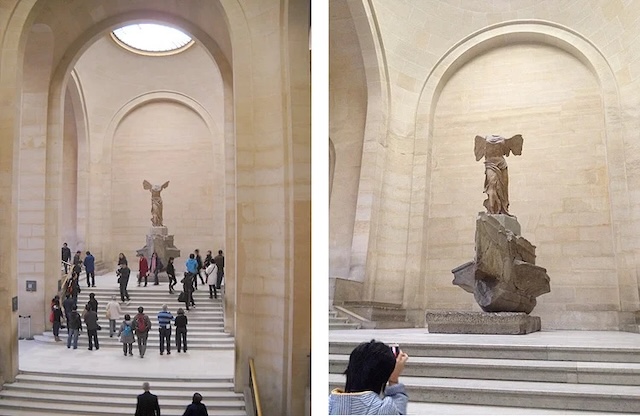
(156,209)
(496,181)
(156,201)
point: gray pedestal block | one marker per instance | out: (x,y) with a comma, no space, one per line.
(500,323)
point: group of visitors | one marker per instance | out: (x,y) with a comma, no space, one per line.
(197,268)
(139,326)
(210,271)
(76,267)
(212,266)
(148,405)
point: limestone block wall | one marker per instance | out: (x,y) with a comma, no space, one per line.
(347,114)
(32,168)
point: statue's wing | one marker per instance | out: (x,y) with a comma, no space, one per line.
(164,185)
(146,185)
(479,147)
(514,144)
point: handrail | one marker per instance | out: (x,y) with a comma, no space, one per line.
(255,394)
(65,281)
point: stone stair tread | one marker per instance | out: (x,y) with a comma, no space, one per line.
(158,383)
(152,340)
(504,386)
(422,408)
(39,392)
(109,409)
(197,333)
(124,397)
(126,377)
(524,364)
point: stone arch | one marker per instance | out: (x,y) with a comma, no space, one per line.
(494,36)
(128,108)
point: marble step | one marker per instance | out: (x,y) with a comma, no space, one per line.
(115,407)
(42,393)
(518,370)
(338,326)
(165,382)
(152,343)
(507,351)
(569,396)
(418,408)
(154,334)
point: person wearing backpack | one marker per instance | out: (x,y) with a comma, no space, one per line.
(126,335)
(142,325)
(75,326)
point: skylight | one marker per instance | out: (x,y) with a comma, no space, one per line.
(152,39)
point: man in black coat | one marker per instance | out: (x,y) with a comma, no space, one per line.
(147,403)
(219,261)
(123,274)
(66,257)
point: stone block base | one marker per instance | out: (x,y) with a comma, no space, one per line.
(499,323)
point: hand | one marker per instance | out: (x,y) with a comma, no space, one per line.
(400,362)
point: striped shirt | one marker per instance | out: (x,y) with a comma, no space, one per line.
(164,319)
(394,402)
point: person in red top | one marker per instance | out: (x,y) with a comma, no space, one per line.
(144,270)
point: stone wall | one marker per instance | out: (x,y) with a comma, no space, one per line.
(347,114)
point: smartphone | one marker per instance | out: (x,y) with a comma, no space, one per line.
(395,349)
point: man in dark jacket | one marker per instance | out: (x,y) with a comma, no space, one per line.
(66,257)
(187,288)
(91,320)
(147,403)
(219,261)
(76,258)
(90,268)
(123,279)
(199,267)
(75,326)
(196,408)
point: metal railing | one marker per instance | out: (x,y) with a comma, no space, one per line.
(253,385)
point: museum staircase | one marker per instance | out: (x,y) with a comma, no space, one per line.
(81,390)
(336,321)
(40,393)
(206,320)
(567,378)
(368,315)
